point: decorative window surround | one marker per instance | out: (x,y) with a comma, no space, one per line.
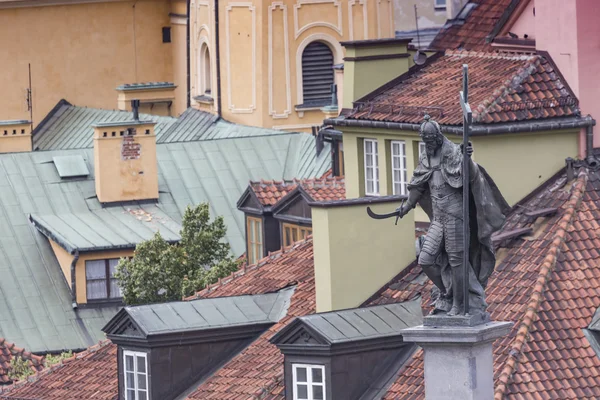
(288,86)
(299,29)
(398,167)
(351,5)
(371,165)
(135,367)
(309,382)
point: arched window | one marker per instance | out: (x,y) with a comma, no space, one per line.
(204,75)
(317,74)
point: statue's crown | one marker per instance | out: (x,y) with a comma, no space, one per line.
(429,126)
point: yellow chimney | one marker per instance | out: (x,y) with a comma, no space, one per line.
(355,255)
(125,161)
(15,136)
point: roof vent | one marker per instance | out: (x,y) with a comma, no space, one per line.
(71,166)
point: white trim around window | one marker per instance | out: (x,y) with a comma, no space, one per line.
(399,174)
(422,149)
(371,162)
(135,375)
(308,382)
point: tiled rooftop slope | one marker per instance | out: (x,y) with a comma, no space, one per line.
(9,352)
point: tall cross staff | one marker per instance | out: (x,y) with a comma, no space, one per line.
(467,120)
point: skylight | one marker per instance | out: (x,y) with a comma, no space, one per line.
(71,166)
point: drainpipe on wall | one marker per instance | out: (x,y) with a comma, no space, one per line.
(189,89)
(73,280)
(589,146)
(217,58)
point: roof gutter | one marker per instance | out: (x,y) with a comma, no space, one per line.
(476,130)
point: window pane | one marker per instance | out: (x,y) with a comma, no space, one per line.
(317,375)
(144,396)
(287,236)
(112,265)
(141,364)
(96,289)
(258,234)
(317,392)
(301,375)
(368,146)
(95,269)
(128,363)
(295,234)
(141,378)
(130,381)
(131,395)
(302,392)
(369,160)
(115,290)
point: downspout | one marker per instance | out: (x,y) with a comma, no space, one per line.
(218,58)
(73,280)
(189,89)
(589,146)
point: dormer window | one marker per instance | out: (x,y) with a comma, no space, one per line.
(309,382)
(136,375)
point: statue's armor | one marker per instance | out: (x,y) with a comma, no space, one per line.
(446,229)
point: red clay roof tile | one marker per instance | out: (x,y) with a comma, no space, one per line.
(326,188)
(501,89)
(8,352)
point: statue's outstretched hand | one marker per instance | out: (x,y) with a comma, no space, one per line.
(402,210)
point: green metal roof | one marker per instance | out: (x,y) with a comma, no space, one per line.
(70,166)
(70,127)
(35,301)
(198,315)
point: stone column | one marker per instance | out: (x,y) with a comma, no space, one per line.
(458,359)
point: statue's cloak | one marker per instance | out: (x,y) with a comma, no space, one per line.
(488,208)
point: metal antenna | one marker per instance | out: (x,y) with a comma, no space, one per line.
(417,25)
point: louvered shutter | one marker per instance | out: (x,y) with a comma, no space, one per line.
(317,73)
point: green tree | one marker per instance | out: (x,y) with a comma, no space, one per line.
(160,271)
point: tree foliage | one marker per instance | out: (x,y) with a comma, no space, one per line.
(19,369)
(160,271)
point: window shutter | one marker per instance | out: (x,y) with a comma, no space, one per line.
(317,73)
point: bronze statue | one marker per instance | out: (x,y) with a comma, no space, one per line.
(436,186)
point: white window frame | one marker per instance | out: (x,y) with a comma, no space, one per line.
(204,73)
(375,167)
(135,355)
(401,156)
(309,383)
(422,149)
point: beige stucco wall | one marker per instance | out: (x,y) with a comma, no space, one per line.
(261,46)
(518,163)
(15,138)
(80,52)
(429,16)
(355,255)
(65,260)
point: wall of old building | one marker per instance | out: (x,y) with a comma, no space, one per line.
(80,52)
(261,45)
(541,154)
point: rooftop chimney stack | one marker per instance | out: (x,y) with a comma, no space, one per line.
(15,136)
(125,161)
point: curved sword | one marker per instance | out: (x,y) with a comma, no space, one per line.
(384,216)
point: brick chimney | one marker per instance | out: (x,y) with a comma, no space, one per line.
(15,136)
(125,161)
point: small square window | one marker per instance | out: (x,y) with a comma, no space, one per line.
(100,281)
(440,3)
(308,382)
(136,375)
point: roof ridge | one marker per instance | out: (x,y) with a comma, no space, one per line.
(247,268)
(522,73)
(510,366)
(507,55)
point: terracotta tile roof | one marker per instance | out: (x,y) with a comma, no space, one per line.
(471,33)
(257,372)
(549,285)
(91,374)
(326,188)
(504,87)
(8,352)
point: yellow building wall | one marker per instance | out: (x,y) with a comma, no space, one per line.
(349,265)
(518,163)
(15,137)
(179,54)
(80,52)
(65,260)
(261,45)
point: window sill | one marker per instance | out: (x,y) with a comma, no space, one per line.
(311,106)
(204,99)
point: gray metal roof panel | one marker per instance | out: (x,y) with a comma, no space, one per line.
(365,323)
(196,315)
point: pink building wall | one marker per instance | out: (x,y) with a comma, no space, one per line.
(570,31)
